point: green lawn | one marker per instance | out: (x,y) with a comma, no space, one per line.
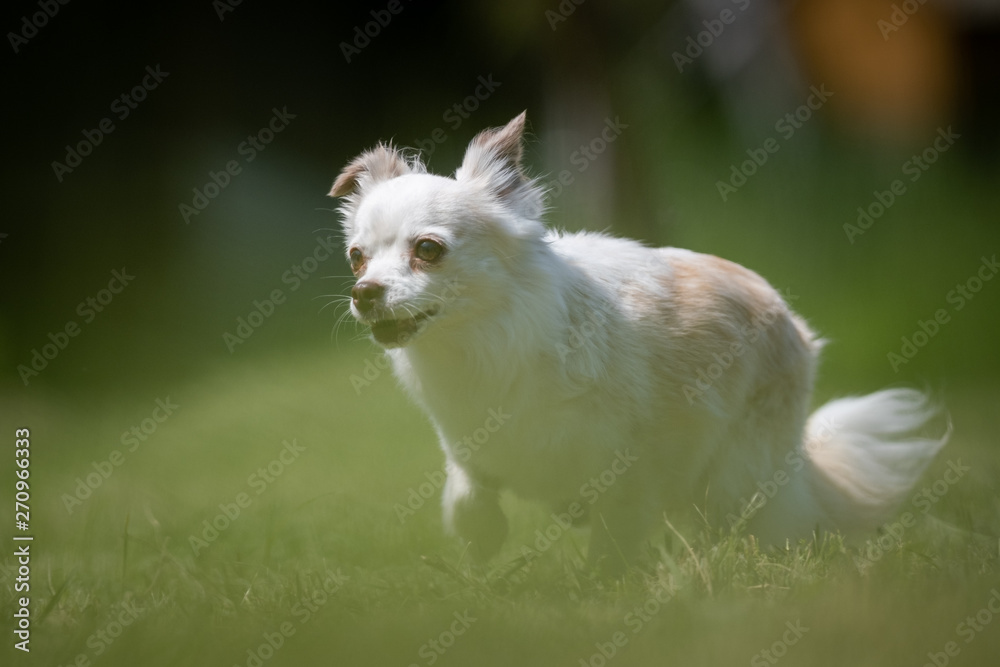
(322,566)
(283,514)
(319,564)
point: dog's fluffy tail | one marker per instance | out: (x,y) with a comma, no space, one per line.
(860,457)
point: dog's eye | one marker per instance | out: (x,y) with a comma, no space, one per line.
(357,259)
(428,250)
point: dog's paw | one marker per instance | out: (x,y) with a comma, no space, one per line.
(473,512)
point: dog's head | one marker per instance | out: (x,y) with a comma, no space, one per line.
(429,250)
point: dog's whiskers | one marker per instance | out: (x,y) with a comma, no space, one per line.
(339,300)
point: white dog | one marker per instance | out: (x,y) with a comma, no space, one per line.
(601,376)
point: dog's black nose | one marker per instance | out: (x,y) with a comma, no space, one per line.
(365,293)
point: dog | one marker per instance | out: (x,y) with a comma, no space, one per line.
(611,380)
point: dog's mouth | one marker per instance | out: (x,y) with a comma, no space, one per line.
(400,331)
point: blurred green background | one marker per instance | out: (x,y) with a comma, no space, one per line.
(694,89)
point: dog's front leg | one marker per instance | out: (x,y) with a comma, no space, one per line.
(472,511)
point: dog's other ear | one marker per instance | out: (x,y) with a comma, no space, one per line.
(378,164)
(494,158)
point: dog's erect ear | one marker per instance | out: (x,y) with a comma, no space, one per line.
(494,157)
(379,164)
(496,150)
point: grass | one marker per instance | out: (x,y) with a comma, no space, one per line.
(320,562)
(320,555)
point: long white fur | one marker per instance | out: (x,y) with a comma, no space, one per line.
(595,346)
